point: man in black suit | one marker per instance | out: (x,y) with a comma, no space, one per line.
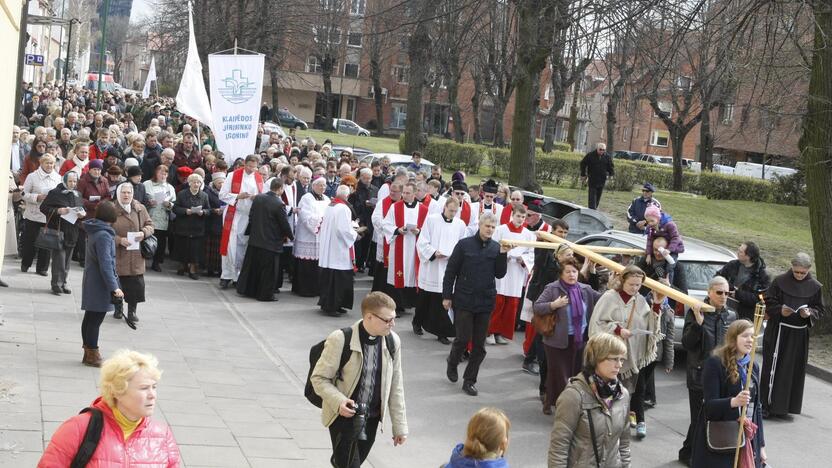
(267,228)
(595,167)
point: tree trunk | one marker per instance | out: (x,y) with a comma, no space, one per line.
(419,53)
(273,70)
(499,112)
(573,117)
(432,91)
(816,147)
(453,91)
(475,109)
(326,76)
(677,138)
(612,104)
(378,99)
(706,140)
(557,96)
(522,168)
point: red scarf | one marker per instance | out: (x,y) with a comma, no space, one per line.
(398,214)
(385,207)
(335,201)
(465,213)
(236,184)
(515,229)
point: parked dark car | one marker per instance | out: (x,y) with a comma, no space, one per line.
(288,120)
(627,155)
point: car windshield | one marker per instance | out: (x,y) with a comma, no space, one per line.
(698,274)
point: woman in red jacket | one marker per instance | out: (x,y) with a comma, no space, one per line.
(129,436)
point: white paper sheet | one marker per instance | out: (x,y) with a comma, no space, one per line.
(132,237)
(73,215)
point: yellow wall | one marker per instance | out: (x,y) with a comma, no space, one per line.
(9,36)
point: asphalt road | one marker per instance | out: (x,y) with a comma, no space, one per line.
(438,410)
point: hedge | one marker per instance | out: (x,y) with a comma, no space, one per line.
(563,168)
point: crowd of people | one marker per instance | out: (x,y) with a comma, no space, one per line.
(137,183)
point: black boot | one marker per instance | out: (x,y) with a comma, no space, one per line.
(131,313)
(118,314)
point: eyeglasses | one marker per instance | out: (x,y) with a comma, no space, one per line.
(388,322)
(620,360)
(722,293)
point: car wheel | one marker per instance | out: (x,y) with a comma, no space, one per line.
(363,134)
(300,126)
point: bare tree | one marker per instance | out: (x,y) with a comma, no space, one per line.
(500,64)
(380,25)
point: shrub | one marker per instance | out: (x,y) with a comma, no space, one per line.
(730,187)
(452,155)
(558,145)
(790,189)
(401,144)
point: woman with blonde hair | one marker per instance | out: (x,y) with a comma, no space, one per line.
(591,426)
(486,443)
(129,437)
(723,385)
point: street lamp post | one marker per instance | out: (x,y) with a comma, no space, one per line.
(68,49)
(101,53)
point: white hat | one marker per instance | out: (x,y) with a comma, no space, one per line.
(129,162)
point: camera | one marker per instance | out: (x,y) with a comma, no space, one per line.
(359,422)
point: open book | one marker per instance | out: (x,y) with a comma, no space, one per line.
(798,310)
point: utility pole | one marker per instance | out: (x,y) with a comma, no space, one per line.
(24,38)
(101,50)
(68,49)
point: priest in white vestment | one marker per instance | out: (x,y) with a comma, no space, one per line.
(382,248)
(436,242)
(466,209)
(336,255)
(401,227)
(310,214)
(237,193)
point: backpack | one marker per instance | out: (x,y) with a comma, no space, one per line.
(315,354)
(91,438)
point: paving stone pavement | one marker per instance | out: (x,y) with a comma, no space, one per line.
(228,400)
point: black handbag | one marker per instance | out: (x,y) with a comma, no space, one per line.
(50,239)
(721,436)
(148,246)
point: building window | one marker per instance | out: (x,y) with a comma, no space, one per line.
(357,7)
(313,65)
(399,115)
(331,5)
(684,83)
(320,35)
(351,70)
(354,39)
(727,113)
(666,108)
(401,73)
(659,138)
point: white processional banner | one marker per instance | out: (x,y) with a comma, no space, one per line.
(236,89)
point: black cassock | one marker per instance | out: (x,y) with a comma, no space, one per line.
(267,228)
(432,316)
(786,342)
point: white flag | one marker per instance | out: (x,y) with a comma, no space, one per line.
(151,76)
(192,99)
(236,88)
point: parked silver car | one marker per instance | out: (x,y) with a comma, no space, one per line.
(700,261)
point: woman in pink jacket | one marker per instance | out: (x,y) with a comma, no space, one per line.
(129,436)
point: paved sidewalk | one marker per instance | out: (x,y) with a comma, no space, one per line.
(227,397)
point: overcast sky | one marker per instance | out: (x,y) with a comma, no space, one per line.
(140,8)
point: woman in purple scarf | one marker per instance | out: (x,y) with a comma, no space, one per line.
(572,302)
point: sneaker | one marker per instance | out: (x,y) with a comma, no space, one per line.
(489,340)
(632,419)
(531,368)
(641,430)
(501,340)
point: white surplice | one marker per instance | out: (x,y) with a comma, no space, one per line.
(408,267)
(435,205)
(437,236)
(378,232)
(511,285)
(495,208)
(310,214)
(238,240)
(336,238)
(473,225)
(290,200)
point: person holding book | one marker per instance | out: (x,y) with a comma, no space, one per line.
(793,304)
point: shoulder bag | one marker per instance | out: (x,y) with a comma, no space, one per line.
(544,324)
(594,439)
(721,436)
(48,238)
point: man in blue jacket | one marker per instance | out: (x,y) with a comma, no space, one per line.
(470,288)
(635,213)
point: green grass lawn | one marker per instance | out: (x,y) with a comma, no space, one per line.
(779,230)
(374,144)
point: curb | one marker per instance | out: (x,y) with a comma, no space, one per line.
(819,372)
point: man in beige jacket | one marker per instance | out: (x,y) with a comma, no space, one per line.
(370,383)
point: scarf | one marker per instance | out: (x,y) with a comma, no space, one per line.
(603,390)
(126,207)
(576,305)
(742,368)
